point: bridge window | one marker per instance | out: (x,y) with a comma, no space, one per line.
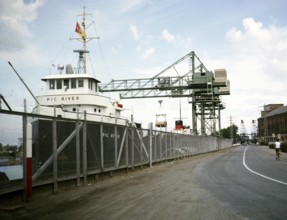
(52,84)
(59,84)
(73,83)
(90,84)
(80,83)
(66,83)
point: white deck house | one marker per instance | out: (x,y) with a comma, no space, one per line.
(69,94)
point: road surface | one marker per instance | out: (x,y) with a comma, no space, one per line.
(247,180)
(211,186)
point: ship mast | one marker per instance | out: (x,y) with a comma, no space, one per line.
(82,63)
(84,40)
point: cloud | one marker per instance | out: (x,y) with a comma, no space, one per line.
(135,32)
(257,67)
(264,48)
(114,50)
(143,42)
(167,36)
(257,38)
(127,5)
(14,20)
(148,52)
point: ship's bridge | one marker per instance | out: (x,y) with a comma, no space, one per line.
(62,84)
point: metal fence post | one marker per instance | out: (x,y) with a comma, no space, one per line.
(166,148)
(150,144)
(78,152)
(85,163)
(55,163)
(160,145)
(155,147)
(29,160)
(141,148)
(177,144)
(24,152)
(133,142)
(116,145)
(102,146)
(127,147)
(170,144)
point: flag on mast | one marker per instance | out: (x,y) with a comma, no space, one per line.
(80,31)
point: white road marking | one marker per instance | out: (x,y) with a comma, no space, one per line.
(259,174)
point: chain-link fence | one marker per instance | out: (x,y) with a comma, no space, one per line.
(65,149)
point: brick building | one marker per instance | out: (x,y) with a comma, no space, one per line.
(273,123)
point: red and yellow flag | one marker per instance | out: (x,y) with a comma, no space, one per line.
(80,31)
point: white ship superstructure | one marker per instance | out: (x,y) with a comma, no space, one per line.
(71,91)
(69,94)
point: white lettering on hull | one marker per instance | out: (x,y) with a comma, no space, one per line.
(63,98)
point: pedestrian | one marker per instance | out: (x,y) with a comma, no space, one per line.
(277,148)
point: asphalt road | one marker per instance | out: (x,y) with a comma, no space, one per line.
(247,180)
(213,186)
(165,191)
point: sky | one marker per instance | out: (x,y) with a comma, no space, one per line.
(139,38)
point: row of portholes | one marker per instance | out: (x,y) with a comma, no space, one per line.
(95,110)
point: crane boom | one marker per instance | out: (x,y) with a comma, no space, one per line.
(202,87)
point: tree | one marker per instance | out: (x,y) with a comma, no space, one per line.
(230,133)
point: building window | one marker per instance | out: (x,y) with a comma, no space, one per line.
(80,83)
(59,84)
(73,83)
(52,84)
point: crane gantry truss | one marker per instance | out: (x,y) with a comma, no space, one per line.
(193,80)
